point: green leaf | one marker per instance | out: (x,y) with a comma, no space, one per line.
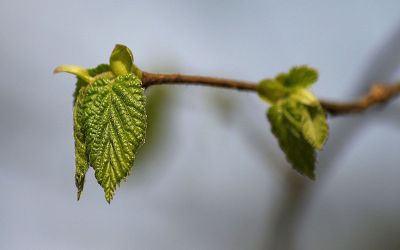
(121,60)
(271,90)
(286,124)
(115,126)
(315,126)
(81,156)
(298,77)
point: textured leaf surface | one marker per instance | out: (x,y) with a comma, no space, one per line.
(101,68)
(81,156)
(286,126)
(115,126)
(299,77)
(315,127)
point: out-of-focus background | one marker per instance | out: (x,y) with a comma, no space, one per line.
(211,175)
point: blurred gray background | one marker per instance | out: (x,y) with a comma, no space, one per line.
(211,175)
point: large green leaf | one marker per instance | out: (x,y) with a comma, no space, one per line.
(115,126)
(286,125)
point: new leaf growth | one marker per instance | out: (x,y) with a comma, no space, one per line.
(297,119)
(109,120)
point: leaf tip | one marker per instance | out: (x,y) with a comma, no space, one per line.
(311,176)
(109,196)
(78,195)
(57,70)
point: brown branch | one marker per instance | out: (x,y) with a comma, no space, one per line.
(150,79)
(378,94)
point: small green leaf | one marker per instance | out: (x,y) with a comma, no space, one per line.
(121,60)
(297,119)
(115,126)
(81,155)
(315,126)
(298,77)
(75,70)
(271,90)
(286,124)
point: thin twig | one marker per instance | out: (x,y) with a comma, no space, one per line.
(378,94)
(150,79)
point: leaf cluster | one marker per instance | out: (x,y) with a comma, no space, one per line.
(109,120)
(297,119)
